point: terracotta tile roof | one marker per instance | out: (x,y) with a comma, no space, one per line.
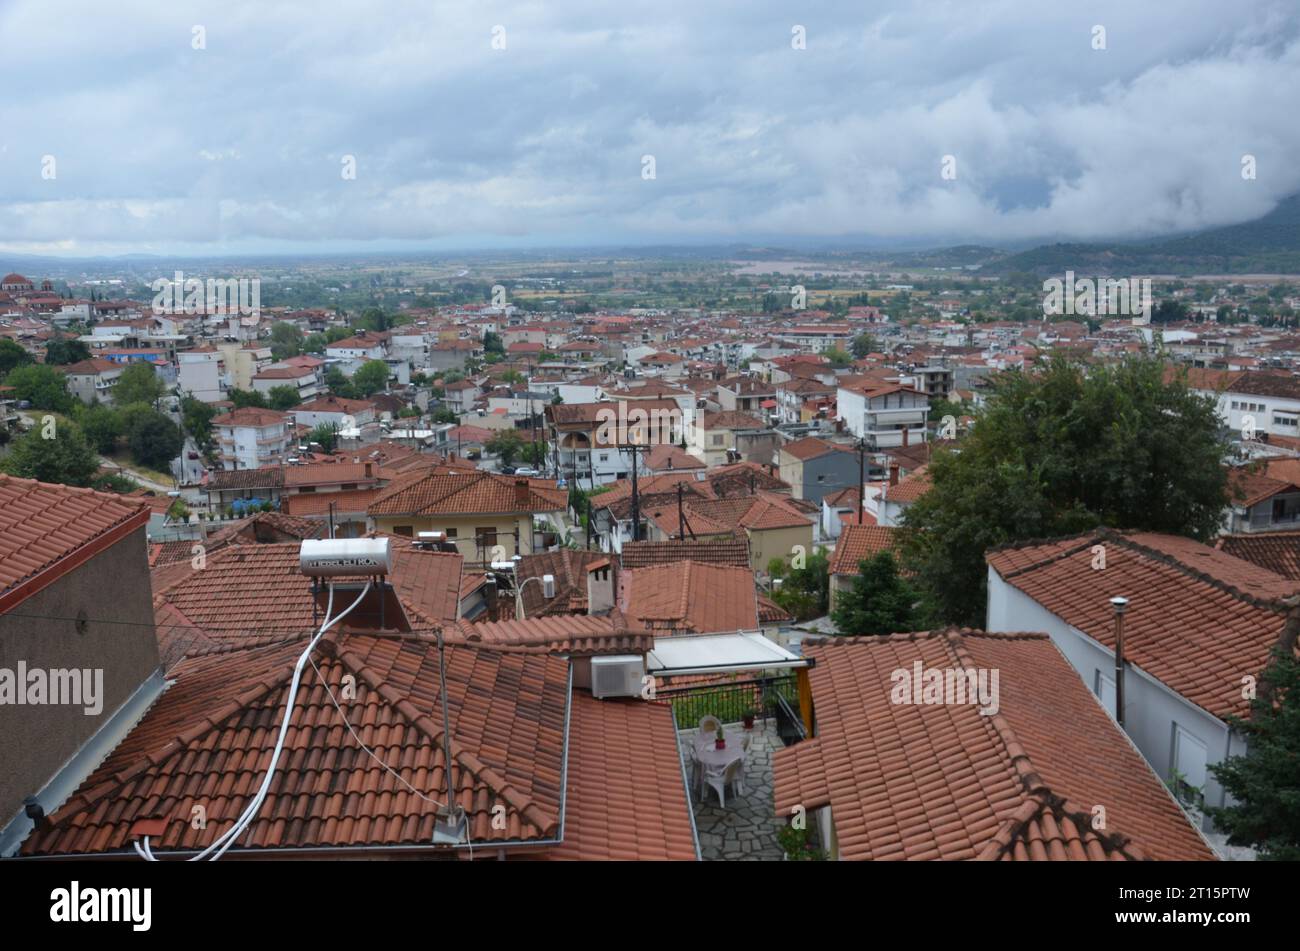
(246,590)
(732,551)
(810,447)
(266,477)
(569,568)
(328,473)
(1278,552)
(1197,620)
(943,781)
(689,597)
(47,530)
(575,634)
(858,543)
(1247,488)
(318,503)
(207,740)
(910,488)
(251,416)
(626,793)
(470,493)
(769,612)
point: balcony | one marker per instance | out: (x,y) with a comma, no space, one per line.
(746,829)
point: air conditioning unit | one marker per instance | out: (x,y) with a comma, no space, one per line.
(617,675)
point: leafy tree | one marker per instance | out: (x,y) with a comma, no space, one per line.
(12,355)
(64,350)
(339,385)
(879,602)
(505,445)
(864,344)
(1060,450)
(315,343)
(324,434)
(45,387)
(492,343)
(101,425)
(242,398)
(283,397)
(804,591)
(138,384)
(373,318)
(66,458)
(286,340)
(197,417)
(154,440)
(335,334)
(1265,782)
(445,415)
(838,358)
(371,377)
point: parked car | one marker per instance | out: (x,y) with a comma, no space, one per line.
(527,472)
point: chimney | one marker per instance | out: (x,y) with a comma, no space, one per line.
(906,432)
(521,493)
(1120,605)
(370,470)
(893,473)
(600,587)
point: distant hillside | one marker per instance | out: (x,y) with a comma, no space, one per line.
(1267,245)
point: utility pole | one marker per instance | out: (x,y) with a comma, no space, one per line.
(681,514)
(636,500)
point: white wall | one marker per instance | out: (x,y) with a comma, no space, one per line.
(1150,708)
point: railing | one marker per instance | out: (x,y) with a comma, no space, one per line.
(729,700)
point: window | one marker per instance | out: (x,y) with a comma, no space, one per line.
(717,440)
(1189,767)
(406,530)
(451,532)
(307,488)
(349,486)
(487,537)
(821,478)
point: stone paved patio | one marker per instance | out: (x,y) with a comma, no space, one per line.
(746,829)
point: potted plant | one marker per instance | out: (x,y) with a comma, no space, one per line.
(747,717)
(721,741)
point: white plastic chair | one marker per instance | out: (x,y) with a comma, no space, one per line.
(733,775)
(710,725)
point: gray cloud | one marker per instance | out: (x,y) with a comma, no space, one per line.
(238,147)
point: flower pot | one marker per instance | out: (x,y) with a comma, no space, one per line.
(749,721)
(719,744)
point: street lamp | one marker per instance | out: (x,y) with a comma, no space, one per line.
(548,589)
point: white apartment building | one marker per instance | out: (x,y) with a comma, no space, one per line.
(250,438)
(885,416)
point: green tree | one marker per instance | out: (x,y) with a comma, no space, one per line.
(339,385)
(1265,782)
(505,445)
(864,344)
(64,350)
(804,590)
(45,387)
(66,458)
(1060,450)
(324,434)
(138,384)
(335,334)
(197,417)
(12,355)
(283,397)
(286,340)
(492,343)
(371,377)
(102,426)
(154,441)
(880,600)
(315,343)
(242,398)
(838,358)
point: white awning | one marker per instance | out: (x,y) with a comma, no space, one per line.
(718,653)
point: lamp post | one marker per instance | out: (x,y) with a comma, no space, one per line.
(1120,605)
(548,589)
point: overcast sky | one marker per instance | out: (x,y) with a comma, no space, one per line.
(241,146)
